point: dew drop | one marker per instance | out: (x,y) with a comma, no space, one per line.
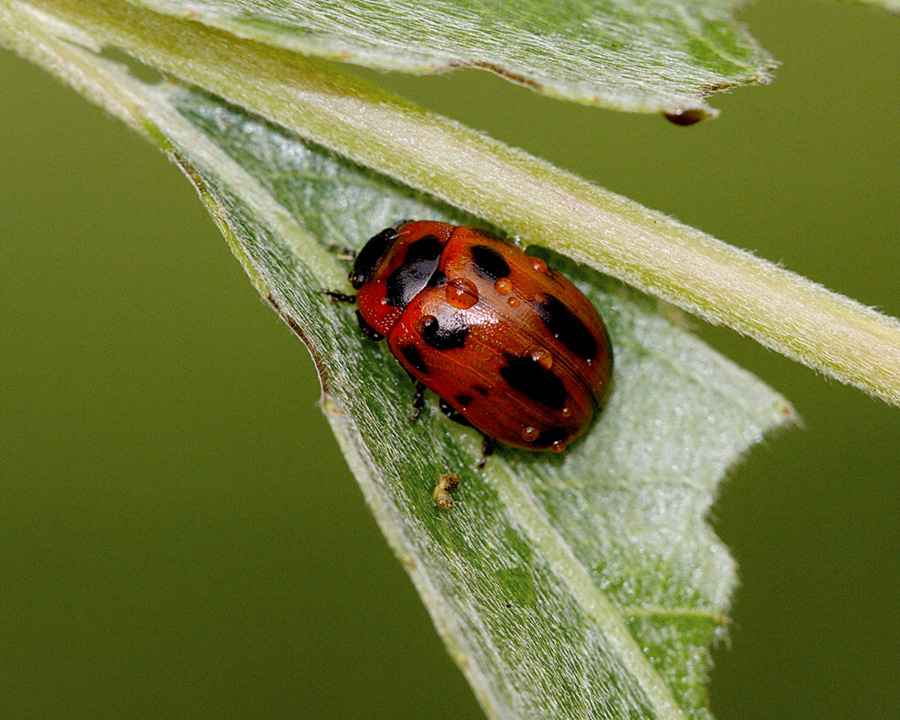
(566,411)
(542,357)
(557,446)
(686,116)
(530,434)
(539,265)
(461,293)
(503,286)
(514,302)
(423,322)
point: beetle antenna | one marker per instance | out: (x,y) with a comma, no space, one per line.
(339,296)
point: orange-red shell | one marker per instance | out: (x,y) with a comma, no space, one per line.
(506,341)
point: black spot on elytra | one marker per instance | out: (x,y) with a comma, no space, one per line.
(414,358)
(464,400)
(565,326)
(447,333)
(370,256)
(489,263)
(367,329)
(419,264)
(437,279)
(536,382)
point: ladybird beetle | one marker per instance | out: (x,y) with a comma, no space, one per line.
(509,345)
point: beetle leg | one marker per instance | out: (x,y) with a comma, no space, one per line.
(452,413)
(367,329)
(339,296)
(418,400)
(344,253)
(487,449)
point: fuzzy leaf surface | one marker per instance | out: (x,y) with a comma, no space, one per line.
(581,585)
(645,56)
(551,573)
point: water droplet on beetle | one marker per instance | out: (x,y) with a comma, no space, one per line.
(461,293)
(423,322)
(514,302)
(530,434)
(542,357)
(539,265)
(503,286)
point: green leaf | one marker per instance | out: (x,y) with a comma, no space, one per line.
(578,586)
(582,585)
(529,198)
(660,56)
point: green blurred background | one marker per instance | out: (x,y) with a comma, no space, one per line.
(179,535)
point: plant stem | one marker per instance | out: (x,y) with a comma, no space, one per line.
(510,189)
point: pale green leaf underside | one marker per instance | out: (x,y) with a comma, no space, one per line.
(643,56)
(587,585)
(545,559)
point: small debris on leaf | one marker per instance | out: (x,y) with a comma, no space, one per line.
(441,493)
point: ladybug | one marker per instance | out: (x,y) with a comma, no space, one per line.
(509,345)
